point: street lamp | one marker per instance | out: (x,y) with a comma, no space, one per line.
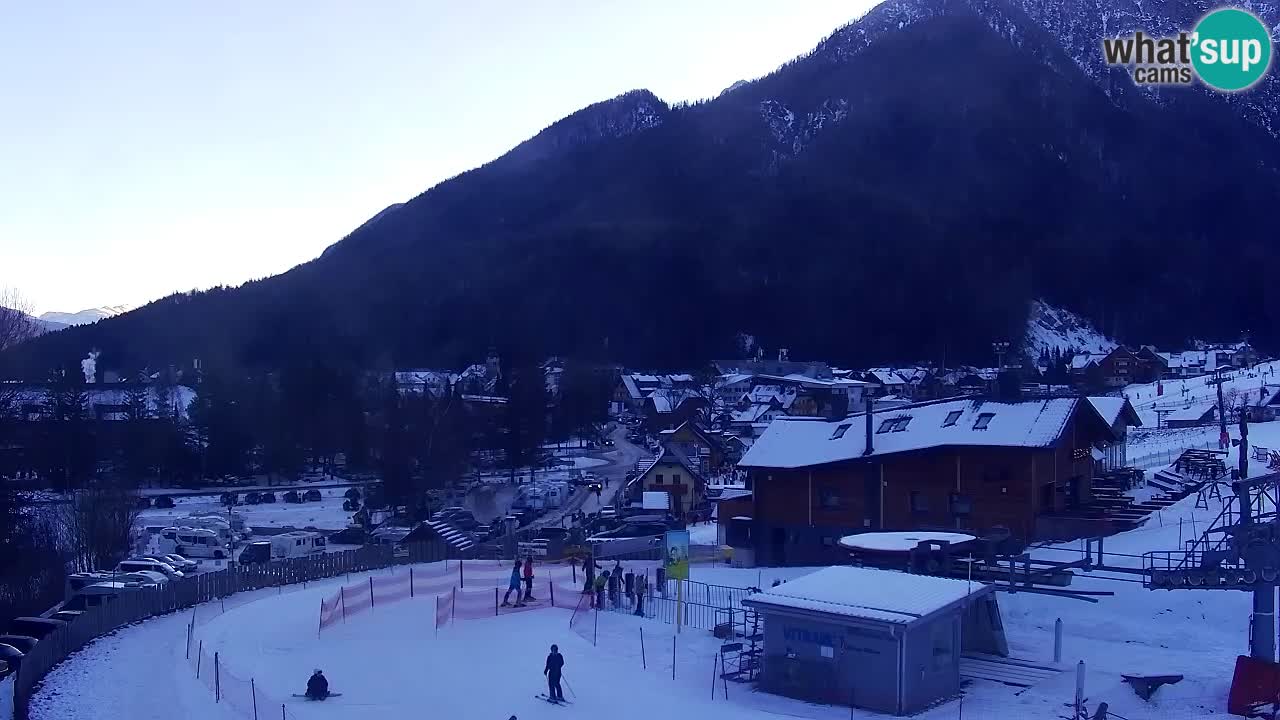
(1000,347)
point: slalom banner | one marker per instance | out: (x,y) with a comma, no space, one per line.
(330,610)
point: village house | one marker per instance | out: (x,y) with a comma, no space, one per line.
(784,365)
(678,476)
(1194,415)
(1267,407)
(965,463)
(668,407)
(705,452)
(1118,413)
(633,389)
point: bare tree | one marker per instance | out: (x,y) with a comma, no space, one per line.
(16,325)
(97,525)
(16,322)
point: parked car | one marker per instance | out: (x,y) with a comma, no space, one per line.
(11,655)
(22,643)
(67,615)
(140,578)
(229,498)
(608,442)
(266,497)
(164,502)
(292,496)
(351,494)
(630,530)
(144,502)
(150,565)
(36,627)
(251,498)
(179,562)
(256,552)
(312,495)
(351,535)
(608,511)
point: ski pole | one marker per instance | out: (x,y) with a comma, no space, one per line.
(567,685)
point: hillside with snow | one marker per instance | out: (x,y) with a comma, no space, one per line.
(1050,327)
(83,317)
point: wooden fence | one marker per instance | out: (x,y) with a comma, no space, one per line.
(133,606)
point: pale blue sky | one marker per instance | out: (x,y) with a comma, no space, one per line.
(148,147)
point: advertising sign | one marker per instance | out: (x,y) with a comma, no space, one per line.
(675,559)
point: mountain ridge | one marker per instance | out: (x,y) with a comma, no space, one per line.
(874,183)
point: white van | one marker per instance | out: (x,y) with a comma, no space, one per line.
(194,542)
(142,564)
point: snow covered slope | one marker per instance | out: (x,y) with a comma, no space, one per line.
(84,317)
(1049,327)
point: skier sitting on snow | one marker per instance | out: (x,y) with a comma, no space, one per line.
(317,686)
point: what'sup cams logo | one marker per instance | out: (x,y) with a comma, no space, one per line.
(1229,50)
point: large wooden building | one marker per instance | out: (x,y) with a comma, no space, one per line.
(963,463)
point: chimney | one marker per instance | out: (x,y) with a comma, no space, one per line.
(869,449)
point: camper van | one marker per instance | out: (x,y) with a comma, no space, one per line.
(298,543)
(195,542)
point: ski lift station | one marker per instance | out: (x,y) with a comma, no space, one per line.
(875,639)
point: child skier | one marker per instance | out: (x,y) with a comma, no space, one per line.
(513,586)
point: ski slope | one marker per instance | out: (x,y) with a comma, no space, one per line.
(392,662)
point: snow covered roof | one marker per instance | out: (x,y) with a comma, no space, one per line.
(750,414)
(792,443)
(881,595)
(731,494)
(1194,412)
(1080,361)
(1111,409)
(899,541)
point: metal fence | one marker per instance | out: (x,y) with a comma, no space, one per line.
(136,605)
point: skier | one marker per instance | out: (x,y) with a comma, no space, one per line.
(317,686)
(555,661)
(601,583)
(629,586)
(642,582)
(514,586)
(615,578)
(589,568)
(528,578)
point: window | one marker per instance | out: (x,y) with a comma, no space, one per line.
(829,499)
(919,503)
(657,480)
(840,431)
(984,419)
(675,478)
(952,417)
(961,504)
(897,424)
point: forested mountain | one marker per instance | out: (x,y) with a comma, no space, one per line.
(902,192)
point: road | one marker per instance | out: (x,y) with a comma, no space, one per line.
(625,456)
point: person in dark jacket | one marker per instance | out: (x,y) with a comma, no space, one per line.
(555,661)
(528,578)
(629,587)
(317,686)
(615,579)
(642,583)
(589,568)
(513,586)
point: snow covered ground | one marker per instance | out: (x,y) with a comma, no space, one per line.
(391,662)
(326,514)
(1197,391)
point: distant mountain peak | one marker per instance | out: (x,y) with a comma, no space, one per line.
(631,112)
(83,317)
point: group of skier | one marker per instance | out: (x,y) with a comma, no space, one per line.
(519,572)
(614,584)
